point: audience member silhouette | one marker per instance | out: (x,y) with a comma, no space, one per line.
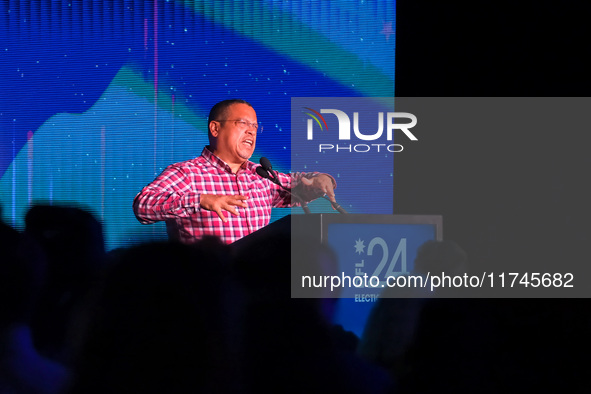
(287,344)
(435,345)
(391,326)
(157,324)
(22,368)
(73,242)
(499,346)
(437,257)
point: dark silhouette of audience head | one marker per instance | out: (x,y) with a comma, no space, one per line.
(22,274)
(391,327)
(15,282)
(441,256)
(157,323)
(72,241)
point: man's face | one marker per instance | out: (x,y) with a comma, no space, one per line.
(235,143)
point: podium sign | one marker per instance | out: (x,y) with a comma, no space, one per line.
(369,249)
(366,246)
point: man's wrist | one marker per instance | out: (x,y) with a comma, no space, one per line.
(318,174)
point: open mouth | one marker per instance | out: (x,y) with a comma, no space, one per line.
(248,142)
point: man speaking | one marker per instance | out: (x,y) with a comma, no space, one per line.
(220,193)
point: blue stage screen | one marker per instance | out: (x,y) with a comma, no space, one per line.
(98,97)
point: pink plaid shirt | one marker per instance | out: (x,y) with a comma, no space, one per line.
(174,197)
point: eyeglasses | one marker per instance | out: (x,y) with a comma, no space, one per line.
(243,125)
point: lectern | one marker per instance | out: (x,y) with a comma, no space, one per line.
(366,245)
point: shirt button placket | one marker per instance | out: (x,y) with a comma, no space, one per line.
(244,212)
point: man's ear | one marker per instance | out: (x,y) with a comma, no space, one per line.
(214,129)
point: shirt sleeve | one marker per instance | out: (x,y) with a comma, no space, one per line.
(170,195)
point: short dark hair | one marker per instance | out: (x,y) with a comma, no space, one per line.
(218,111)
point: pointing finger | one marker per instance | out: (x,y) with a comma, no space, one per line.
(221,215)
(231,209)
(240,202)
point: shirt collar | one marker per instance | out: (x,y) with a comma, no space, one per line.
(219,163)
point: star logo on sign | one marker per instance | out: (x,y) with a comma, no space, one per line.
(359,246)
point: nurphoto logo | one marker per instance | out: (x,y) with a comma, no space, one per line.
(316,120)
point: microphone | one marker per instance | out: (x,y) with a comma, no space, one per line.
(268,169)
(266,164)
(263,173)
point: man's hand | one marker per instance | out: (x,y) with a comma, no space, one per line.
(323,183)
(220,202)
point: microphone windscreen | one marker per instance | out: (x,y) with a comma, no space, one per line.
(262,172)
(266,163)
